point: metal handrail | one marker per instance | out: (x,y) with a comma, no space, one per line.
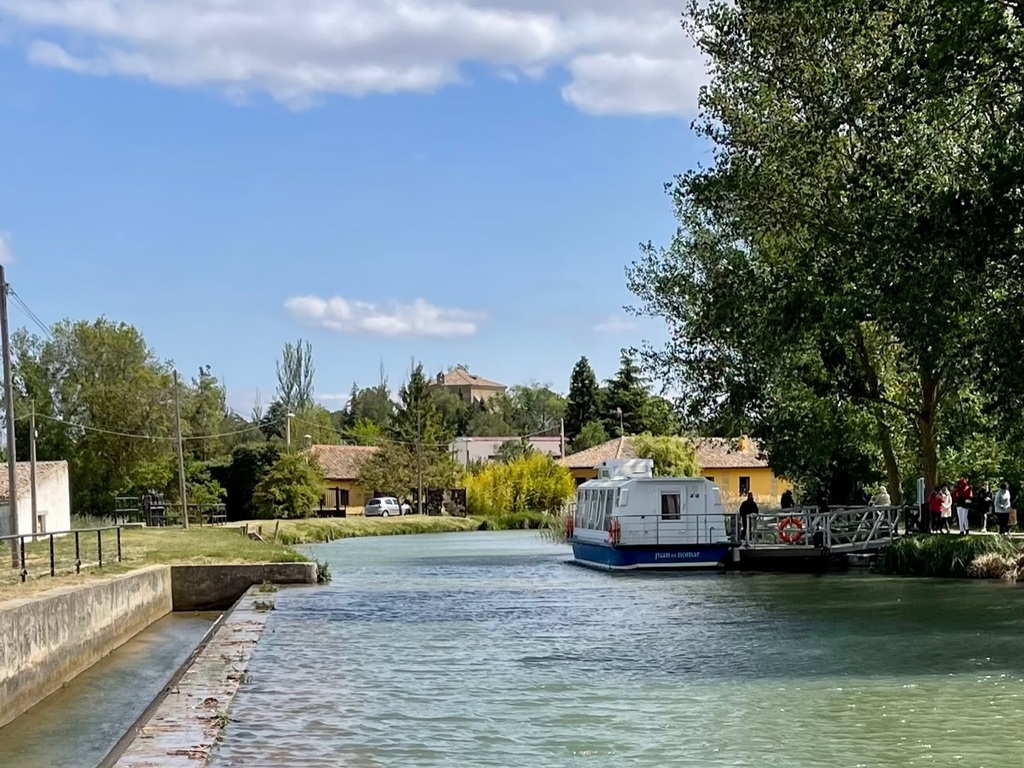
(849,527)
(52,536)
(704,534)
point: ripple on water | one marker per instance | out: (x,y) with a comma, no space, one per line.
(486,650)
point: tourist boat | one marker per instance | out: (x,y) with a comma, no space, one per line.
(627,519)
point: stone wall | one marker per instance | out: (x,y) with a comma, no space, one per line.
(46,641)
(216,587)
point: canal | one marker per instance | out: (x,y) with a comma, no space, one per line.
(488,650)
(79,724)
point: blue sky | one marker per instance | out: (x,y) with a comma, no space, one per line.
(446,181)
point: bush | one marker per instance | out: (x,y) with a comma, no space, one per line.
(944,556)
(292,488)
(532,484)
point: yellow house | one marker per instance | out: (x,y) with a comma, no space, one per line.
(737,466)
(341,465)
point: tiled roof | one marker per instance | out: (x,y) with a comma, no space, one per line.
(616,448)
(463,378)
(23,470)
(342,462)
(729,453)
(712,453)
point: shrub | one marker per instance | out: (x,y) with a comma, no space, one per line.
(292,488)
(532,484)
(946,556)
(993,566)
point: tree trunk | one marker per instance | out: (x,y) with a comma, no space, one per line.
(926,425)
(892,468)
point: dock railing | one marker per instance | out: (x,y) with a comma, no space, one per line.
(60,552)
(841,529)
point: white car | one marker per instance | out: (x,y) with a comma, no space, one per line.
(386,506)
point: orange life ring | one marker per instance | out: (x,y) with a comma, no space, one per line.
(787,535)
(570,526)
(614,531)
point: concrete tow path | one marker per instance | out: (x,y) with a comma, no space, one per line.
(190,720)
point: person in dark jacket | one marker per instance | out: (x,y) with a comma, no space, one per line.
(982,507)
(747,508)
(787,500)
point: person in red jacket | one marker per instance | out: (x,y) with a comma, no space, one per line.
(962,498)
(935,509)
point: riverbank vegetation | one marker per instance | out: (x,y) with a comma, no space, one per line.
(950,556)
(783,323)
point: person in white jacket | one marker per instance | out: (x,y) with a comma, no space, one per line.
(1001,506)
(882,498)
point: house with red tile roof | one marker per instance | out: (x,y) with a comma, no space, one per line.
(468,386)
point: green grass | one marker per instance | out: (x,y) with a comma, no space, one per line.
(945,556)
(139,548)
(315,531)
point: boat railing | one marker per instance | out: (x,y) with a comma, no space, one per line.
(680,528)
(838,528)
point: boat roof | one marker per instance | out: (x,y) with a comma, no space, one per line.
(618,482)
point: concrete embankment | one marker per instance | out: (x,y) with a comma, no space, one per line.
(186,724)
(48,640)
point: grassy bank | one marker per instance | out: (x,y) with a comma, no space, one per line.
(957,557)
(316,531)
(139,548)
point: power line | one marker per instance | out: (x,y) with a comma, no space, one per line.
(140,436)
(46,329)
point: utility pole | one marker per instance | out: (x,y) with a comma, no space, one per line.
(288,430)
(561,439)
(419,462)
(32,469)
(12,456)
(182,487)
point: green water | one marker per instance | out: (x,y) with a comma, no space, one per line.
(79,724)
(488,650)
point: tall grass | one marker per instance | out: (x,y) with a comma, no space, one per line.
(957,557)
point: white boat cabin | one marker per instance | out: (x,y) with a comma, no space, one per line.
(648,510)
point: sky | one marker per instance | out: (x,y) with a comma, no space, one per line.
(450,181)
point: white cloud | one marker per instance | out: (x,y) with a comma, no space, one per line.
(6,253)
(622,56)
(418,318)
(615,324)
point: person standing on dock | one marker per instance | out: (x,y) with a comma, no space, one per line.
(982,506)
(787,500)
(947,509)
(747,508)
(963,496)
(882,498)
(935,510)
(1001,503)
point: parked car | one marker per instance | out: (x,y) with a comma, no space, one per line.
(385,506)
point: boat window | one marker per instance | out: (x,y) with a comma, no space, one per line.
(623,497)
(670,506)
(609,498)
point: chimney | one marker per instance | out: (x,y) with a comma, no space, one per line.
(743,444)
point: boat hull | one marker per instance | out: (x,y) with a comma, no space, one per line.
(678,557)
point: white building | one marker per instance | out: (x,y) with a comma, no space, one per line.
(53,503)
(466,450)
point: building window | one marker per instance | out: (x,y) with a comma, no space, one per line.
(670,506)
(41,523)
(744,486)
(710,477)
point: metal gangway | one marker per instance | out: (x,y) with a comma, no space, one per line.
(838,530)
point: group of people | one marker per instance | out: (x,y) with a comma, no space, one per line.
(970,505)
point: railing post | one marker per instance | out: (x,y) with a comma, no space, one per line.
(99,545)
(78,554)
(53,565)
(24,570)
(119,544)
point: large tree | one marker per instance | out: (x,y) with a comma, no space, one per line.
(625,399)
(860,216)
(584,401)
(295,371)
(105,402)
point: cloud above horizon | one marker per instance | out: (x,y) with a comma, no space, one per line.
(620,57)
(417,318)
(6,252)
(616,324)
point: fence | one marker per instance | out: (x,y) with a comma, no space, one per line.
(60,552)
(129,509)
